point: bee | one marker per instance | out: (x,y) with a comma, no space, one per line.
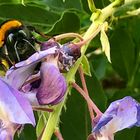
(4,66)
(17,41)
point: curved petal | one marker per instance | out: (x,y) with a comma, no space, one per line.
(5,135)
(49,44)
(17,76)
(53,85)
(138,116)
(13,106)
(102,122)
(119,115)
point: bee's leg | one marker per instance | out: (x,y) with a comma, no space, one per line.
(7,56)
(15,47)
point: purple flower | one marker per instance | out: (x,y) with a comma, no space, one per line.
(53,85)
(47,85)
(15,110)
(68,53)
(18,74)
(121,114)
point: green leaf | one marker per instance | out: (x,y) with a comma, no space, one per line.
(76,123)
(129,5)
(41,124)
(69,22)
(127,134)
(121,93)
(76,120)
(30,14)
(100,64)
(137,135)
(86,66)
(122,53)
(85,6)
(105,43)
(96,91)
(28,133)
(61,5)
(57,6)
(128,1)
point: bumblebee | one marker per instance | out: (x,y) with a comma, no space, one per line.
(17,41)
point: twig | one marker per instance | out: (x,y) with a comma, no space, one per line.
(67,35)
(86,91)
(83,42)
(87,98)
(42,109)
(58,134)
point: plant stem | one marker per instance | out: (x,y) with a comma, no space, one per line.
(84,41)
(53,120)
(91,5)
(67,35)
(89,101)
(85,90)
(58,134)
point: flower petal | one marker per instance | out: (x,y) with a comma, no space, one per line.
(49,44)
(119,115)
(17,76)
(53,85)
(13,106)
(4,135)
(138,116)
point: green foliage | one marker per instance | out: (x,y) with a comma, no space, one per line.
(64,24)
(61,16)
(75,121)
(42,121)
(86,66)
(122,53)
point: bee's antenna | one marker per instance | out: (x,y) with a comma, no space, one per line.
(7,57)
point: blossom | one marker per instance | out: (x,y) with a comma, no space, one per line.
(47,84)
(53,85)
(121,114)
(68,53)
(15,110)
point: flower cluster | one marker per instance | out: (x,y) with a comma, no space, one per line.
(35,81)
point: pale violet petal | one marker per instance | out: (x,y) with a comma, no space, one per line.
(13,106)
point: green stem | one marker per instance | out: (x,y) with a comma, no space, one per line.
(91,5)
(54,117)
